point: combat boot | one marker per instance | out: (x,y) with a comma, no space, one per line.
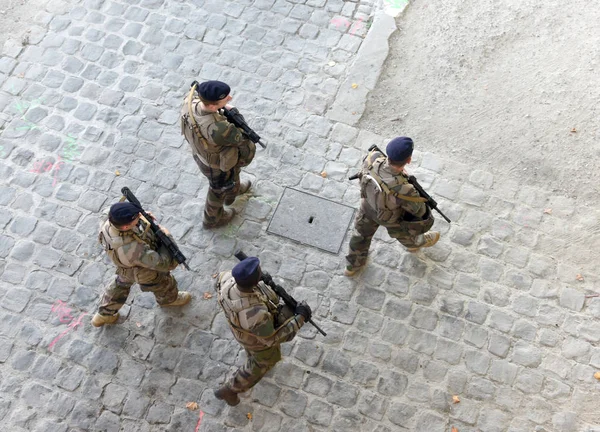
(99,320)
(229,396)
(183,298)
(244,187)
(431,238)
(228,214)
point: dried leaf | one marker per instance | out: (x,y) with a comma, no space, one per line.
(597,376)
(117,173)
(249,416)
(138,324)
(207,295)
(455,399)
(331,63)
(192,406)
(579,277)
(354,85)
(548,211)
(324,174)
(454,429)
(573,130)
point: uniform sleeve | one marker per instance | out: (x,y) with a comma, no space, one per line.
(226,134)
(260,323)
(141,255)
(417,209)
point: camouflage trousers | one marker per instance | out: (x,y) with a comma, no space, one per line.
(257,365)
(365,227)
(260,362)
(162,285)
(222,185)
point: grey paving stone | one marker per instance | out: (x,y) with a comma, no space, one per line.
(524,330)
(529,381)
(319,413)
(395,332)
(424,318)
(16,299)
(6,346)
(448,351)
(371,298)
(22,226)
(336,362)
(572,299)
(499,345)
(372,405)
(422,342)
(290,375)
(423,293)
(293,403)
(159,413)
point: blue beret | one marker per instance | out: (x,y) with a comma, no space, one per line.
(213,90)
(399,149)
(246,271)
(123,213)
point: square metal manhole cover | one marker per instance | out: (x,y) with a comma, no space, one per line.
(311,220)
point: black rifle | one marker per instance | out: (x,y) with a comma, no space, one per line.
(413,181)
(281,292)
(163,239)
(430,201)
(235,118)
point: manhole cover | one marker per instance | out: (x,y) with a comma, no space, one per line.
(311,220)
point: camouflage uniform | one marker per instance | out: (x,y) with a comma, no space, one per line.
(259,324)
(137,258)
(387,199)
(220,150)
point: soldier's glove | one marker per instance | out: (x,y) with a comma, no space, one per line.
(303,309)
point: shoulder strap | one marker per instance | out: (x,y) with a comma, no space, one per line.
(193,122)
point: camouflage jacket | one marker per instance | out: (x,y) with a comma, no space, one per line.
(216,142)
(251,316)
(380,187)
(134,248)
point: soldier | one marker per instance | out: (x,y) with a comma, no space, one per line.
(131,245)
(219,148)
(258,323)
(388,199)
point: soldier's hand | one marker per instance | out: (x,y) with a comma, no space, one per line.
(163,229)
(149,213)
(304,309)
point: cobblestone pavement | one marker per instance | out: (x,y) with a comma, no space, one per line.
(492,314)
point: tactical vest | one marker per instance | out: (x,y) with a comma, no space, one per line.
(233,304)
(377,185)
(195,129)
(112,240)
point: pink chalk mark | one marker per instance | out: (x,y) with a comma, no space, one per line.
(63,312)
(357,25)
(340,21)
(199,421)
(44,167)
(71,326)
(56,170)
